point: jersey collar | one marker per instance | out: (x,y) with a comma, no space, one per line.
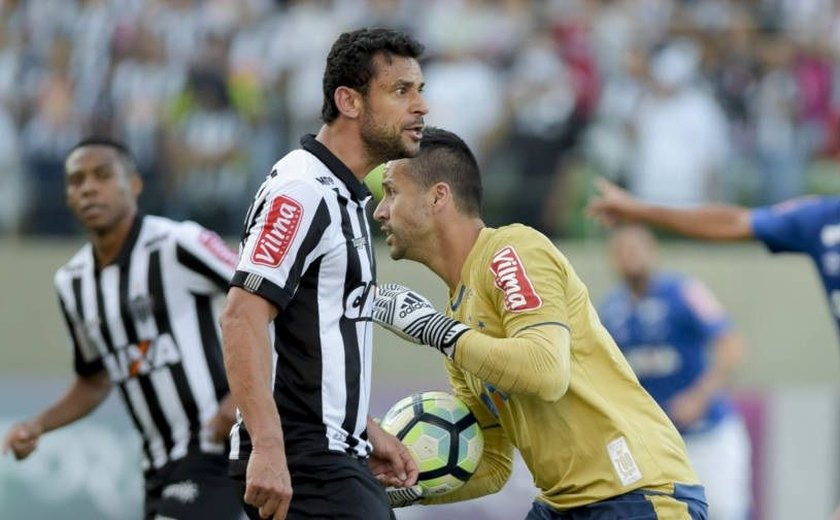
(124,256)
(358,189)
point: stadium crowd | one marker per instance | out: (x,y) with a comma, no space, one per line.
(683,101)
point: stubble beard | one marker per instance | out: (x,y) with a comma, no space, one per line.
(381,144)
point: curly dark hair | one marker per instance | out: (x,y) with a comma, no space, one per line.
(445,157)
(350,61)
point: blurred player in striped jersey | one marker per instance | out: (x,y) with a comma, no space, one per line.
(141,301)
(681,344)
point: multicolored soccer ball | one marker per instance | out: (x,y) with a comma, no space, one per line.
(443,436)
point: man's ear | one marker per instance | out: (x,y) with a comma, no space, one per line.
(441,195)
(348,101)
(136,184)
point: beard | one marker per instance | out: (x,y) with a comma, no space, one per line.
(383,144)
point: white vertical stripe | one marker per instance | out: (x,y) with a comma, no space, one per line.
(167,393)
(109,282)
(92,320)
(150,431)
(183,319)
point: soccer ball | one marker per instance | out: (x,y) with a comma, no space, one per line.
(443,436)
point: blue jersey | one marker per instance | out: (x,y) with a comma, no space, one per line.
(809,225)
(668,338)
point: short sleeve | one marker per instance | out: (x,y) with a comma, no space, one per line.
(206,255)
(528,282)
(789,226)
(86,358)
(282,240)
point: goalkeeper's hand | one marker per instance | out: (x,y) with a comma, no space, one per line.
(404,496)
(411,316)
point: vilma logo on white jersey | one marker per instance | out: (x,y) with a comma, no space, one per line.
(278,232)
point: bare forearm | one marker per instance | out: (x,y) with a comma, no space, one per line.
(712,222)
(533,363)
(247,353)
(83,397)
(728,354)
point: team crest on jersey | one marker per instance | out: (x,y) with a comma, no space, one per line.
(141,307)
(278,232)
(511,278)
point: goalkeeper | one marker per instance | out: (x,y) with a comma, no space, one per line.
(525,350)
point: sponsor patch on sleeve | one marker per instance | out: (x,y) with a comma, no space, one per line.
(217,247)
(278,232)
(511,278)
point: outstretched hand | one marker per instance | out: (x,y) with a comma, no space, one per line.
(413,317)
(612,205)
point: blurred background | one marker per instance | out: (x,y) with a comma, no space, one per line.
(680,101)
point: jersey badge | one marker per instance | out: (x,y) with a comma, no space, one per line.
(623,462)
(511,278)
(278,232)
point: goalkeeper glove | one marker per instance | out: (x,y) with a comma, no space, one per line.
(411,316)
(404,497)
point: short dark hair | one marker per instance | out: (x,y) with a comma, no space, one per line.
(350,61)
(121,149)
(445,157)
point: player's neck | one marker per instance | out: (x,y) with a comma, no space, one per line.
(456,241)
(108,244)
(639,285)
(346,144)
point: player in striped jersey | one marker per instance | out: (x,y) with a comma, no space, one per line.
(141,302)
(306,268)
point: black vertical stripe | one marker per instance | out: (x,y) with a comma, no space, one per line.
(320,222)
(80,364)
(212,346)
(161,313)
(352,355)
(125,310)
(361,215)
(100,310)
(155,410)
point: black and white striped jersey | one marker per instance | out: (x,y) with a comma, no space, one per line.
(306,248)
(151,319)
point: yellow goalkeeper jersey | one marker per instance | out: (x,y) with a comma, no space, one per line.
(555,381)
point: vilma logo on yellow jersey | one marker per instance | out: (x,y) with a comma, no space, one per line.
(512,279)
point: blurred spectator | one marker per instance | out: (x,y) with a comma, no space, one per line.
(207,153)
(52,129)
(780,154)
(681,132)
(738,87)
(13,193)
(143,85)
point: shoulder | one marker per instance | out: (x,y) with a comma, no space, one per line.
(520,238)
(79,262)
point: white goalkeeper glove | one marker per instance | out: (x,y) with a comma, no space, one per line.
(404,497)
(413,317)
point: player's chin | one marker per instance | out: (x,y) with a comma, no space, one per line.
(411,146)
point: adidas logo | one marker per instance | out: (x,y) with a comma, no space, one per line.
(410,304)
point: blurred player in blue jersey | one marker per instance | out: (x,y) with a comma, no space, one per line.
(807,225)
(683,348)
